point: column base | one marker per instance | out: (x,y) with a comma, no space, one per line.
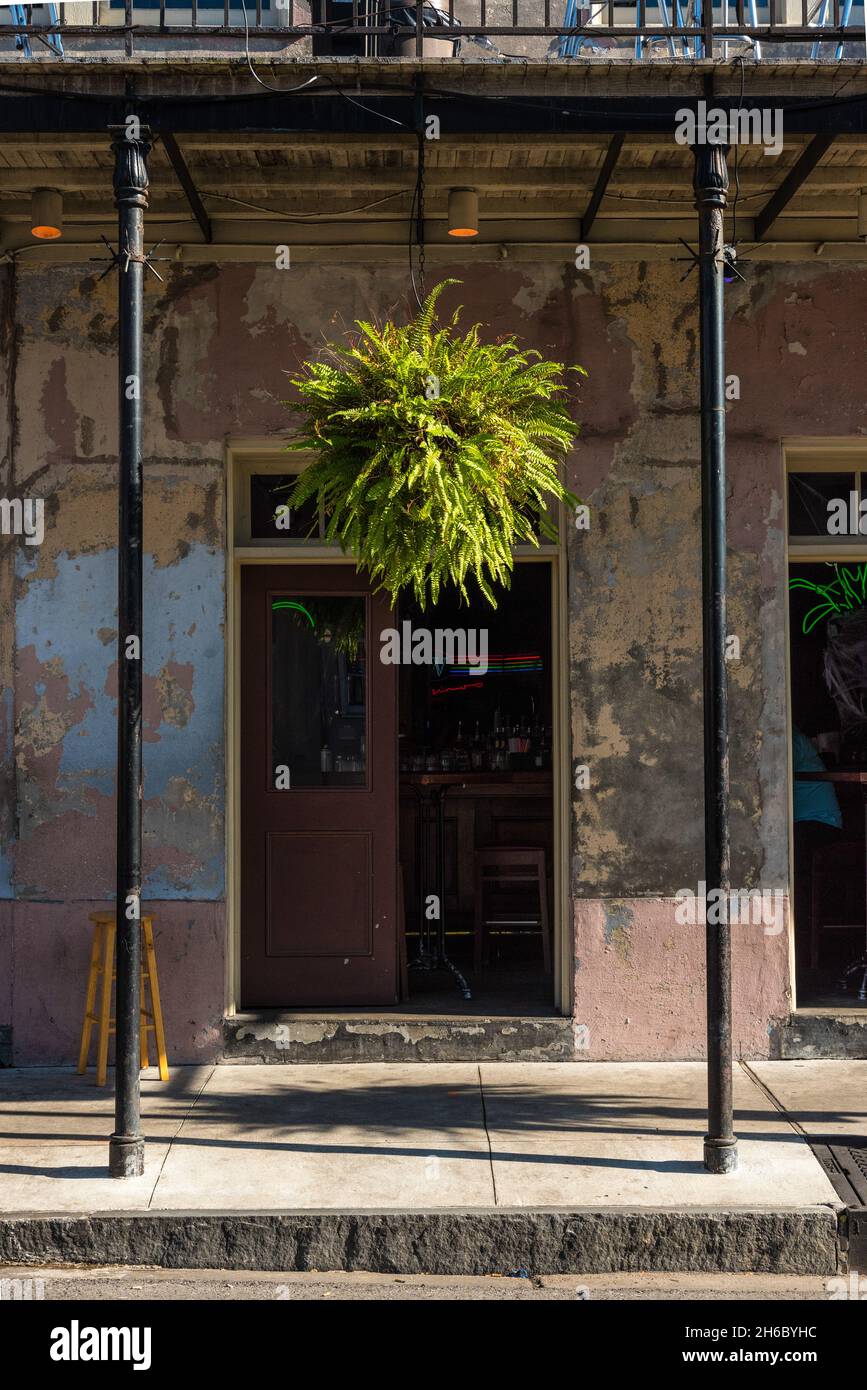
(125,1156)
(720,1155)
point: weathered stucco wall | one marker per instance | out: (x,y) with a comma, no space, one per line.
(218,340)
(796,341)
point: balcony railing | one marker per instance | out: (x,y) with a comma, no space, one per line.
(492,30)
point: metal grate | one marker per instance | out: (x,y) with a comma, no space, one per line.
(845,1162)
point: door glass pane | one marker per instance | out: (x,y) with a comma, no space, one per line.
(318,691)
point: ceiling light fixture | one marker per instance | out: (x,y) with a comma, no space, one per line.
(463,212)
(46,214)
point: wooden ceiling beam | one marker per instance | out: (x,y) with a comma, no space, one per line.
(185,179)
(792,183)
(609,164)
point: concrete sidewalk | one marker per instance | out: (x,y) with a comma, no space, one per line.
(605,1154)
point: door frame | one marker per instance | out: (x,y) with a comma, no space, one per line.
(268,454)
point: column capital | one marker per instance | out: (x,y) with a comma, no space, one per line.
(710,180)
(130,179)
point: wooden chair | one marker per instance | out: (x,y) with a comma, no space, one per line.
(504,868)
(102,966)
(833,864)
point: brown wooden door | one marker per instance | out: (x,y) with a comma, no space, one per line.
(318,790)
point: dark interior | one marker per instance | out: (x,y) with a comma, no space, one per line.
(491,735)
(829,860)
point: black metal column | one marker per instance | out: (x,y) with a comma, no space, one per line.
(126,1149)
(710,183)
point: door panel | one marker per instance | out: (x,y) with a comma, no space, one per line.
(318,791)
(342,864)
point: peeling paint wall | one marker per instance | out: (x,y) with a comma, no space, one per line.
(796,340)
(64,430)
(218,340)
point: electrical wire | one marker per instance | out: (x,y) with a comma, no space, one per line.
(416,219)
(369,109)
(307,216)
(281,91)
(679,202)
(739,59)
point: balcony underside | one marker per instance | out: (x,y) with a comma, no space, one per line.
(331,171)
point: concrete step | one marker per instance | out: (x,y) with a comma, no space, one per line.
(274,1036)
(833,1034)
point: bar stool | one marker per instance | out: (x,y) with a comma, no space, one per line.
(500,867)
(102,963)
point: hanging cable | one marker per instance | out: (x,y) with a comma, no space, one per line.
(253,73)
(416,214)
(737,172)
(419,221)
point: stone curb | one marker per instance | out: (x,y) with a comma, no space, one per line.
(617,1240)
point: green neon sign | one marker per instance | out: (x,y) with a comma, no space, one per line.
(298,607)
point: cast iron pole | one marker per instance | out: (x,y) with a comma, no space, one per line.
(126,1149)
(710,183)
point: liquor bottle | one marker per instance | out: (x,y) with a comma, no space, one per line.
(546,748)
(462,752)
(492,737)
(477,751)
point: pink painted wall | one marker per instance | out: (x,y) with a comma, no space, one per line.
(639,982)
(51,946)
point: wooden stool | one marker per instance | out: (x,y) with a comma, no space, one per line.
(501,868)
(102,963)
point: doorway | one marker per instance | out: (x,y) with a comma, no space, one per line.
(334,742)
(828,667)
(477,861)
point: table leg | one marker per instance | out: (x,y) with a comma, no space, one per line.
(423,958)
(431,867)
(441,893)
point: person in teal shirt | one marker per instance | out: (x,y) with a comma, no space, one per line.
(814,801)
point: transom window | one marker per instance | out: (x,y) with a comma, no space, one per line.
(827,499)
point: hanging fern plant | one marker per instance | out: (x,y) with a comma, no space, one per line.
(436,453)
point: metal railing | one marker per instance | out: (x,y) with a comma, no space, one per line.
(485,29)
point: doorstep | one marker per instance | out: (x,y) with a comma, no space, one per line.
(833,1034)
(267,1035)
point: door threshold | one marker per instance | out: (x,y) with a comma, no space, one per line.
(829,1033)
(375,1035)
